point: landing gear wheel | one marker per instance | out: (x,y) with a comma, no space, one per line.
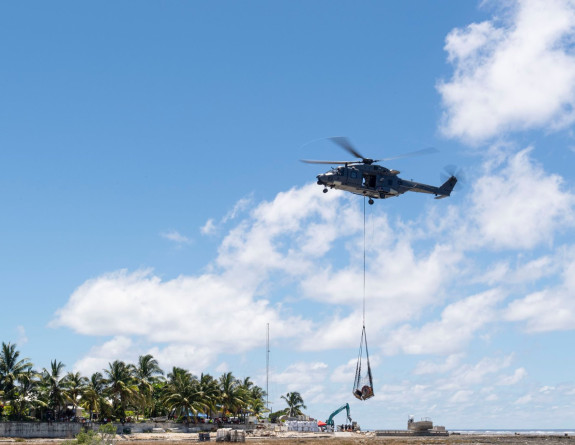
(325,190)
(370,202)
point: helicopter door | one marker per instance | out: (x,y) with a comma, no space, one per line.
(370,181)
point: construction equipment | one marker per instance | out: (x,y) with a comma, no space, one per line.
(330,422)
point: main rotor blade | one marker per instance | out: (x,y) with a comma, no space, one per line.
(309,161)
(344,143)
(425,151)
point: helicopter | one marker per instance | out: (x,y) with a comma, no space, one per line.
(364,177)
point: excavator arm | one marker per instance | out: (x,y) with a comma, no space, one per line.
(330,422)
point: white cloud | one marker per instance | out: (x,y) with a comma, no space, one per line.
(461,396)
(514,74)
(516,377)
(99,357)
(468,375)
(344,373)
(520,205)
(258,245)
(426,367)
(524,400)
(211,227)
(141,304)
(396,290)
(464,317)
(22,336)
(176,237)
(241,206)
(306,378)
(553,307)
(208,228)
(188,356)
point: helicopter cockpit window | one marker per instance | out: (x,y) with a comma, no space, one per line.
(340,171)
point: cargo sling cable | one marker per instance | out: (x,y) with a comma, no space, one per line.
(363,384)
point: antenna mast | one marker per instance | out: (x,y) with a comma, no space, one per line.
(268,367)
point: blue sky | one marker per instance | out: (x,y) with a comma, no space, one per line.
(153,202)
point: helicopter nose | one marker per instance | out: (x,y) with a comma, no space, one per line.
(322,179)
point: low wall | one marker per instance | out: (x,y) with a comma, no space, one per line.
(32,430)
(68,430)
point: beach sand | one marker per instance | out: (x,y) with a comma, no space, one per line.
(325,439)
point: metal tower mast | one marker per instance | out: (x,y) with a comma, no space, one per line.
(268,367)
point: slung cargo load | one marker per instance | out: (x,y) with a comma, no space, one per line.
(363,384)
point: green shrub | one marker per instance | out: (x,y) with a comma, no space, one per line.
(104,436)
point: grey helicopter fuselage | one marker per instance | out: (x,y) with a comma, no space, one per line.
(376,181)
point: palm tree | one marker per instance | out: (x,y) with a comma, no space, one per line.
(11,369)
(94,394)
(121,385)
(257,400)
(251,394)
(176,373)
(247,383)
(232,396)
(183,395)
(146,373)
(26,394)
(75,386)
(157,408)
(258,406)
(210,390)
(53,384)
(295,403)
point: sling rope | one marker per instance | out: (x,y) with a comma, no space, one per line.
(364,262)
(363,382)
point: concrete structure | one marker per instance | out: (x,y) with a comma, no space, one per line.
(68,430)
(34,430)
(230,435)
(424,427)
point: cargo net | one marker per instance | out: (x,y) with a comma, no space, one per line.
(363,385)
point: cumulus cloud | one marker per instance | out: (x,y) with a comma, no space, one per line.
(478,373)
(99,357)
(209,227)
(307,378)
(514,72)
(194,358)
(241,206)
(519,205)
(427,367)
(176,237)
(516,377)
(141,304)
(286,234)
(551,308)
(397,290)
(464,317)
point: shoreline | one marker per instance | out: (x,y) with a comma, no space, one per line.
(343,438)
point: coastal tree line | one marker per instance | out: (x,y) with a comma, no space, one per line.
(140,390)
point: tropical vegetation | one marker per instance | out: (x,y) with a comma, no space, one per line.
(294,402)
(122,390)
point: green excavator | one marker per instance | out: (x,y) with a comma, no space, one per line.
(336,412)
